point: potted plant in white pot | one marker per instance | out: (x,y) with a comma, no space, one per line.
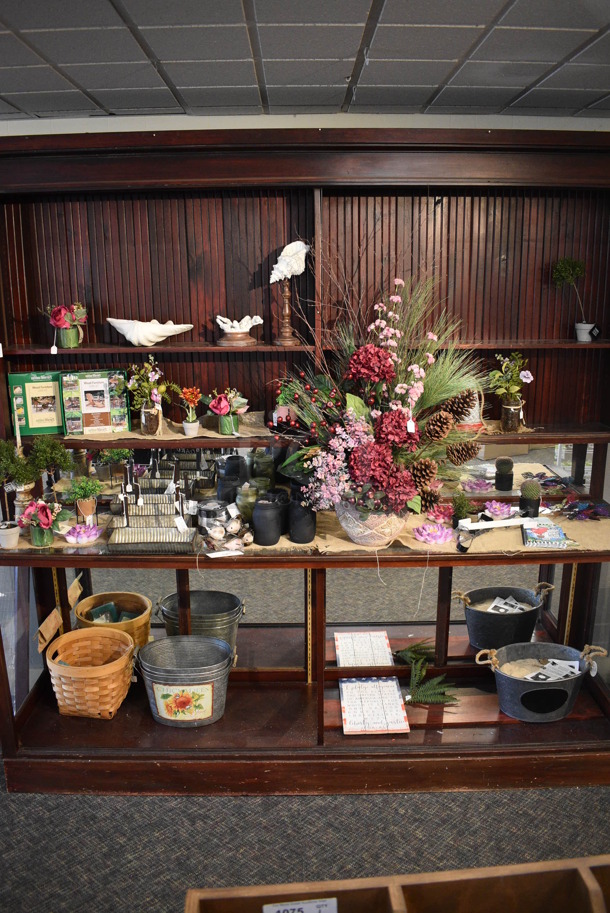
(15,469)
(190,397)
(567,271)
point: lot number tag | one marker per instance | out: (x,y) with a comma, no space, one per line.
(329,905)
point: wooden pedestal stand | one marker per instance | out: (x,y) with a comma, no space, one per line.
(286,336)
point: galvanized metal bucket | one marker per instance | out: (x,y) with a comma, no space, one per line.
(213,614)
(538,701)
(492,630)
(186,679)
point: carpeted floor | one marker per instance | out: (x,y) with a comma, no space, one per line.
(82,854)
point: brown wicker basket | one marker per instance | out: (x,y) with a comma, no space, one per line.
(91,671)
(139,627)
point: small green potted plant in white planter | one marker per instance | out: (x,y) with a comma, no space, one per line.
(568,271)
(16,469)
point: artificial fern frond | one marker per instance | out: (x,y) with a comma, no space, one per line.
(433,691)
(418,650)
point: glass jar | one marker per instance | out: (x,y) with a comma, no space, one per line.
(267,522)
(510,419)
(262,484)
(263,465)
(245,499)
(209,513)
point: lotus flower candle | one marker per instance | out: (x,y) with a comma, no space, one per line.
(433,533)
(476,485)
(441,513)
(83,535)
(499,510)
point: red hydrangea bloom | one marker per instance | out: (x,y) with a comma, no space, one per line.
(370,463)
(372,364)
(391,428)
(399,488)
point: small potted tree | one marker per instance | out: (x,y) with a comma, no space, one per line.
(462,507)
(16,469)
(568,271)
(84,493)
(48,455)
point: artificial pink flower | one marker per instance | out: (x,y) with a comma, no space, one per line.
(370,463)
(57,317)
(400,488)
(45,516)
(430,357)
(395,299)
(399,282)
(220,405)
(432,336)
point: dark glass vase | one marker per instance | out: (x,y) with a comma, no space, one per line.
(283,498)
(227,490)
(510,420)
(504,481)
(301,522)
(267,522)
(529,507)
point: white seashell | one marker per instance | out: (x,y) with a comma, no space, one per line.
(291,261)
(217,532)
(234,526)
(234,545)
(238,326)
(147,333)
(247,538)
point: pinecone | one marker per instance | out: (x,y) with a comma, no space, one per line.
(439,425)
(423,472)
(460,405)
(429,499)
(461,453)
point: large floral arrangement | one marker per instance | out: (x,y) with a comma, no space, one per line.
(383,420)
(147,385)
(231,402)
(64,316)
(46,516)
(507,381)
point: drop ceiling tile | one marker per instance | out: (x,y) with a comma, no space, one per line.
(5,108)
(51,103)
(31,79)
(305,109)
(384,96)
(422,43)
(235,110)
(474,96)
(274,12)
(185,12)
(117,99)
(465,109)
(406,72)
(32,14)
(600,107)
(184,44)
(591,14)
(136,75)
(544,45)
(308,72)
(557,98)
(440,12)
(357,108)
(299,96)
(212,73)
(230,97)
(13,53)
(599,52)
(87,45)
(498,73)
(278,42)
(583,76)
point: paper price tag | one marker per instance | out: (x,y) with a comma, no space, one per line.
(233,510)
(171,489)
(410,426)
(327,905)
(128,487)
(180,524)
(53,350)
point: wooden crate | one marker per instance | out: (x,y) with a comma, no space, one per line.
(563,886)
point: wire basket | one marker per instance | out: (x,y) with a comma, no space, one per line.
(91,671)
(152,541)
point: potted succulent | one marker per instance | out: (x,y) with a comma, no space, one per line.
(190,397)
(228,406)
(84,492)
(568,271)
(43,521)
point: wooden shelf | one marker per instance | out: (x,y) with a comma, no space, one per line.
(179,348)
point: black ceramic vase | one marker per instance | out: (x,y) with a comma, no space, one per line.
(529,507)
(267,522)
(302,522)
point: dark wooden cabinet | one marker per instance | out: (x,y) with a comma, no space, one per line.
(186,226)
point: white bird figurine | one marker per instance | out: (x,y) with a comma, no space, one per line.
(238,326)
(291,261)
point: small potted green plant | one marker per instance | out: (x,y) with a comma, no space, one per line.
(462,507)
(109,462)
(13,468)
(529,500)
(49,455)
(568,271)
(507,382)
(84,492)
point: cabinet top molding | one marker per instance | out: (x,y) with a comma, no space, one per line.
(313,157)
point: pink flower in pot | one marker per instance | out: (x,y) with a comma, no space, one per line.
(58,317)
(220,405)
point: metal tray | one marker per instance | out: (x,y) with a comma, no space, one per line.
(155,540)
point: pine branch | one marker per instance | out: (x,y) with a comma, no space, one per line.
(433,691)
(415,651)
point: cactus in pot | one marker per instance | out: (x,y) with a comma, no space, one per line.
(504,474)
(529,502)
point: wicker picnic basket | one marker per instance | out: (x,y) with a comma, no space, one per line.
(91,671)
(134,603)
